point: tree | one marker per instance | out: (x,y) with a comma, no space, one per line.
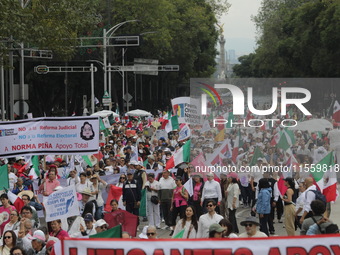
(297,38)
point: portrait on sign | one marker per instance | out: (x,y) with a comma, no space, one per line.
(87,132)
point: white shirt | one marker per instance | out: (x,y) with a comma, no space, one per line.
(73,181)
(80,187)
(212,189)
(300,201)
(233,191)
(186,228)
(75,227)
(205,221)
(168,183)
(309,197)
(257,234)
(154,185)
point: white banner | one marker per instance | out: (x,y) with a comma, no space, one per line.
(61,204)
(41,136)
(301,245)
(187,109)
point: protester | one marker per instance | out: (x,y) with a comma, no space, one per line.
(131,194)
(38,243)
(263,204)
(309,197)
(228,233)
(233,193)
(206,220)
(50,183)
(5,211)
(16,250)
(100,226)
(19,186)
(178,202)
(14,222)
(88,229)
(188,223)
(151,232)
(152,188)
(9,240)
(216,230)
(300,201)
(289,200)
(167,184)
(57,231)
(250,225)
(98,186)
(211,191)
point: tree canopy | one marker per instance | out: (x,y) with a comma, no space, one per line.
(297,38)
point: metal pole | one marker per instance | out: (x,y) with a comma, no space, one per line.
(104,59)
(110,81)
(21,85)
(66,82)
(2,84)
(135,91)
(92,89)
(11,86)
(127,92)
(141,88)
(123,76)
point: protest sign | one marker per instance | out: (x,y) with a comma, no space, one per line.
(301,245)
(184,133)
(41,136)
(61,204)
(187,110)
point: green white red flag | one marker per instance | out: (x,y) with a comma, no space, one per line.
(180,156)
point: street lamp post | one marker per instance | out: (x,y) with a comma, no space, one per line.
(106,35)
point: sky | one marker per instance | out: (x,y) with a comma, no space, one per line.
(239,29)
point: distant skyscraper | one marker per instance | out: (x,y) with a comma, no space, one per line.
(232,57)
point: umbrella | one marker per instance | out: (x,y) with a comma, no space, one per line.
(313,125)
(105,113)
(138,113)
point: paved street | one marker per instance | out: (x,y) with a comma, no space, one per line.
(245,212)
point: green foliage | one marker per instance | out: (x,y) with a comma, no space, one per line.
(47,24)
(297,38)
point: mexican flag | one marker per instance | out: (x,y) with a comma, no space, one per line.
(172,123)
(143,208)
(180,156)
(286,139)
(4,182)
(257,154)
(325,177)
(336,111)
(179,234)
(275,140)
(103,127)
(115,232)
(90,160)
(237,145)
(114,193)
(34,172)
(15,200)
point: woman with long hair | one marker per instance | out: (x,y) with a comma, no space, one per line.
(9,240)
(195,199)
(228,233)
(188,223)
(179,202)
(289,200)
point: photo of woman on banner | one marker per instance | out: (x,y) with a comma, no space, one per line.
(87,132)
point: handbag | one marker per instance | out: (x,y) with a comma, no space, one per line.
(154,200)
(136,205)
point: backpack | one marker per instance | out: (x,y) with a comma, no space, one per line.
(330,229)
(319,196)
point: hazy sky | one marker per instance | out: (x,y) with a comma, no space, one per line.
(239,30)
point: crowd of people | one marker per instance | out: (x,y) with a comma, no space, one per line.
(206,210)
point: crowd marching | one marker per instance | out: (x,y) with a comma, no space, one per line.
(182,198)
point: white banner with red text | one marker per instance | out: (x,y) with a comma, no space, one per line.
(42,136)
(300,245)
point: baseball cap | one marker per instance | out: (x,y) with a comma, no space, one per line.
(38,234)
(88,217)
(100,223)
(216,227)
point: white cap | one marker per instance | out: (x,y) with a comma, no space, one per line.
(38,234)
(100,223)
